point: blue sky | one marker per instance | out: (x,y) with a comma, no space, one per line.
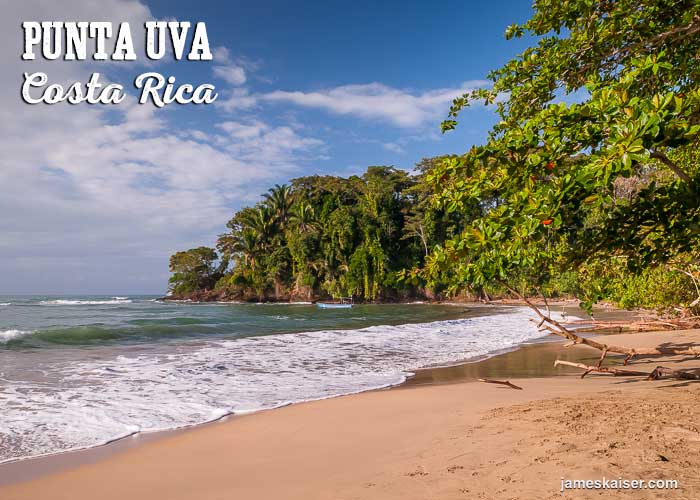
(408,45)
(94,200)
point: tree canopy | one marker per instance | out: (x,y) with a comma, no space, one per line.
(321,236)
(588,185)
(609,93)
(193,269)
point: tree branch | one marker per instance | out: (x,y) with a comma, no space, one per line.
(695,282)
(557,328)
(617,372)
(660,371)
(652,44)
(501,382)
(675,168)
(656,374)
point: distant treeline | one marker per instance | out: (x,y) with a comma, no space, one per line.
(323,236)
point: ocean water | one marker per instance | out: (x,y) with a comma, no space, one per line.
(78,372)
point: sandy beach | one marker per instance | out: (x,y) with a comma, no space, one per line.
(441,436)
(368,251)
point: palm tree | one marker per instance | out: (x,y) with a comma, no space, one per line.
(247,245)
(260,221)
(303,216)
(279,199)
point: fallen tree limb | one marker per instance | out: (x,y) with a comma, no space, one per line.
(557,328)
(627,326)
(657,373)
(501,382)
(617,372)
(637,325)
(660,371)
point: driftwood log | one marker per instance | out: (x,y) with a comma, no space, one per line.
(501,382)
(660,371)
(646,325)
(557,328)
(617,372)
(656,374)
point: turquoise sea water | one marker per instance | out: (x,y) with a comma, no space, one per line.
(51,322)
(77,372)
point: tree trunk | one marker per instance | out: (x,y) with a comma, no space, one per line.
(278,288)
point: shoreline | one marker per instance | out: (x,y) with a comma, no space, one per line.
(571,303)
(141,435)
(355,446)
(418,301)
(514,359)
(30,468)
(528,360)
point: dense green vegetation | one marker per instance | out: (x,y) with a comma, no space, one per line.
(324,237)
(595,195)
(608,182)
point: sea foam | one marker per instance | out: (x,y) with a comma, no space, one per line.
(99,399)
(62,302)
(7,335)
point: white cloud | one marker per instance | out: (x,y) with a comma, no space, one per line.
(238,99)
(227,69)
(95,198)
(264,145)
(372,101)
(76,188)
(221,54)
(235,75)
(394,148)
(376,101)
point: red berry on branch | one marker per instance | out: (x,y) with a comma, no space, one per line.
(547,222)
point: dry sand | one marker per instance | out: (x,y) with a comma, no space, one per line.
(422,441)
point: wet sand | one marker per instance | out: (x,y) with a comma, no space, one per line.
(432,438)
(530,360)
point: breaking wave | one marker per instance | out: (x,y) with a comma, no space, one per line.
(7,335)
(94,400)
(64,302)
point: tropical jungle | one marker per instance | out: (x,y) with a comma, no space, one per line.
(587,187)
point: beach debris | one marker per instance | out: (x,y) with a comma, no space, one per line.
(555,327)
(502,382)
(642,325)
(602,369)
(661,371)
(656,374)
